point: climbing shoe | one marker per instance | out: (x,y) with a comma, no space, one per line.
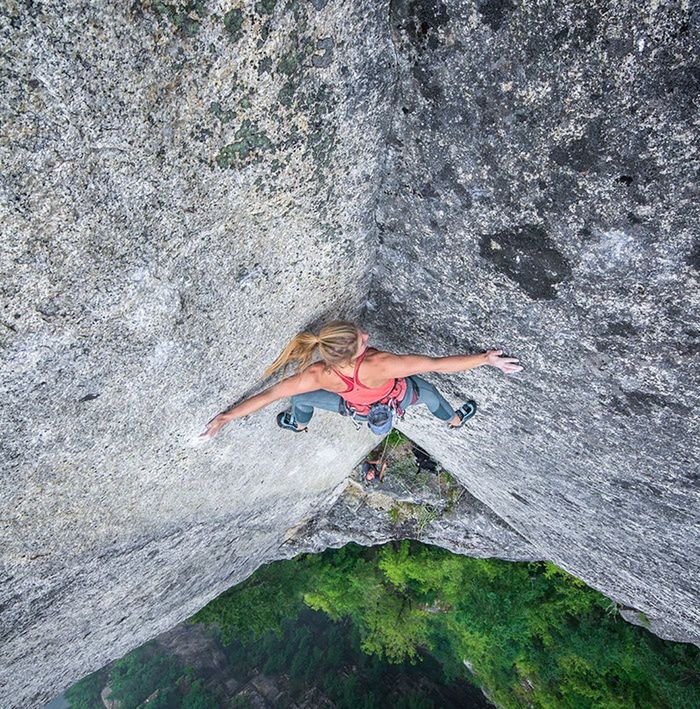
(286,420)
(465,412)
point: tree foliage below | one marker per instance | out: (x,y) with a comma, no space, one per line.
(532,634)
(143,674)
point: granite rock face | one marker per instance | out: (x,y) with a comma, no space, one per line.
(182,192)
(541,197)
(186,185)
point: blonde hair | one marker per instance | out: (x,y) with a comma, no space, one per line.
(336,343)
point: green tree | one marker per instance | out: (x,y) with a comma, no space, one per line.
(258,605)
(532,633)
(137,675)
(197,697)
(85,694)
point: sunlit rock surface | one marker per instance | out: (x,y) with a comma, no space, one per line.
(180,196)
(184,190)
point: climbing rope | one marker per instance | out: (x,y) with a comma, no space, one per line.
(381,459)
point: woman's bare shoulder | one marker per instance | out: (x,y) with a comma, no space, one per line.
(379,355)
(324,377)
(315,369)
(380,362)
(319,371)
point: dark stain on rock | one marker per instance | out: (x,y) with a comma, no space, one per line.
(48,309)
(684,81)
(581,154)
(620,329)
(614,346)
(585,33)
(265,65)
(618,47)
(427,191)
(637,403)
(420,20)
(88,397)
(518,498)
(454,114)
(528,257)
(324,45)
(450,181)
(494,12)
(431,90)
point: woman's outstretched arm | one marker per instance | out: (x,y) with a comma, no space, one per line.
(406,365)
(297,384)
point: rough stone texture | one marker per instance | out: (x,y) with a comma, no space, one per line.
(148,275)
(541,197)
(182,191)
(363,516)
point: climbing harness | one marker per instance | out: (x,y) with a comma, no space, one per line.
(383,414)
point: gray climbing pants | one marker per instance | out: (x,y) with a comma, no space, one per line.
(303,405)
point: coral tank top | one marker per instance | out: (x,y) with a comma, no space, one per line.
(359,397)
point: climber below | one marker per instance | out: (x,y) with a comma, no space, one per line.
(373,470)
(355,380)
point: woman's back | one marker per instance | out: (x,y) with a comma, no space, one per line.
(370,373)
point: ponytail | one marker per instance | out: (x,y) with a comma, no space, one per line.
(337,343)
(299,349)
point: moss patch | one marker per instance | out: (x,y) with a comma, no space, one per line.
(233,23)
(290,62)
(421,515)
(265,7)
(286,94)
(249,147)
(185,17)
(220,113)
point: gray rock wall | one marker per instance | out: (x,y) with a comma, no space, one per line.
(184,190)
(181,194)
(542,199)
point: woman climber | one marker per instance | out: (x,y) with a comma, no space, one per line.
(355,380)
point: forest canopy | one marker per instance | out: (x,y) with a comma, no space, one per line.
(530,632)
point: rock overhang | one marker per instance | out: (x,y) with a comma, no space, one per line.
(531,169)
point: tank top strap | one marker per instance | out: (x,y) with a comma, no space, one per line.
(355,377)
(349,383)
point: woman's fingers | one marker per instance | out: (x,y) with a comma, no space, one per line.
(510,368)
(208,433)
(212,427)
(508,365)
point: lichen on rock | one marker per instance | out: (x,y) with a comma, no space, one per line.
(186,185)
